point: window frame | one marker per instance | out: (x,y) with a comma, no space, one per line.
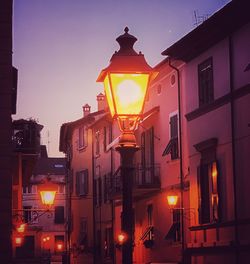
(59,215)
(209,209)
(205,82)
(174,137)
(82,182)
(82,137)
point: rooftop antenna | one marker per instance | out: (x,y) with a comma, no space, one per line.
(48,142)
(199,19)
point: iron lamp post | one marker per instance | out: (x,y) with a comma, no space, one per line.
(126,82)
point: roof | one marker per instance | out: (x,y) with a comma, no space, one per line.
(67,128)
(220,25)
(50,166)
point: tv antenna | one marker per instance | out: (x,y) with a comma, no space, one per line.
(199,19)
(48,142)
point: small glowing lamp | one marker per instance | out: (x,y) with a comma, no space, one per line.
(59,246)
(21,228)
(48,197)
(126,82)
(18,240)
(172,200)
(122,237)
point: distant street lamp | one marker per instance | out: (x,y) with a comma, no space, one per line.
(47,191)
(126,82)
(172,199)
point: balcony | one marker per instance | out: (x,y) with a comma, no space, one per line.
(26,136)
(146,181)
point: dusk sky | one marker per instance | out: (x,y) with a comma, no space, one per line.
(60,46)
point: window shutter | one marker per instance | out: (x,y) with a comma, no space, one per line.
(199,193)
(59,214)
(86,182)
(174,126)
(174,136)
(77,183)
(143,161)
(204,194)
(152,151)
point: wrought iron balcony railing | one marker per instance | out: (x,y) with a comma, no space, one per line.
(146,179)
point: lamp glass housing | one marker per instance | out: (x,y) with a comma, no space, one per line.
(172,200)
(126,94)
(121,238)
(48,197)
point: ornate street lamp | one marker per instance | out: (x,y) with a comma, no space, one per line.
(47,191)
(172,199)
(126,82)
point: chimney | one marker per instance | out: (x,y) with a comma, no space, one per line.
(101,102)
(43,151)
(86,110)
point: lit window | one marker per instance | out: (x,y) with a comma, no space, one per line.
(208,178)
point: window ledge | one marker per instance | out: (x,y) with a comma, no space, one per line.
(218,102)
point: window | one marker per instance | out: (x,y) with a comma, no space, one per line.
(208,182)
(27,214)
(82,183)
(108,243)
(208,192)
(83,234)
(82,140)
(174,136)
(150,214)
(59,214)
(205,82)
(172,146)
(105,191)
(97,143)
(71,181)
(147,147)
(28,189)
(59,240)
(174,233)
(100,191)
(107,136)
(95,192)
(61,189)
(147,156)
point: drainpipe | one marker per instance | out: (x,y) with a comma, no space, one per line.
(68,206)
(231,74)
(181,157)
(93,182)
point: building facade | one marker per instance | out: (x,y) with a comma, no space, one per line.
(76,143)
(46,233)
(215,90)
(7,106)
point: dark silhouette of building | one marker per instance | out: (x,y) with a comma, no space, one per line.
(7,108)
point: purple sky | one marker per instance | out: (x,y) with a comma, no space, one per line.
(60,46)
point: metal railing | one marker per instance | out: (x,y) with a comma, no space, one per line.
(145,177)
